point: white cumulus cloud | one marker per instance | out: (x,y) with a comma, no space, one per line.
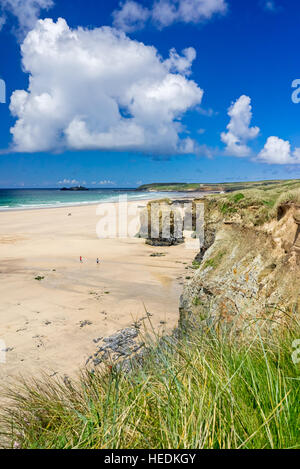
(278,151)
(239,130)
(132,16)
(27,12)
(98,89)
(181,63)
(275,151)
(166,12)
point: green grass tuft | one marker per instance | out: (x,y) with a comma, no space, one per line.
(238,197)
(215,261)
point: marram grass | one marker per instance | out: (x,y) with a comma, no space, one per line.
(204,392)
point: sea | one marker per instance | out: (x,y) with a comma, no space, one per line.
(26,199)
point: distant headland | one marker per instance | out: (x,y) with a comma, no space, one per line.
(74,189)
(204,187)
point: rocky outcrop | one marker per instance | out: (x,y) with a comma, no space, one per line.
(246,275)
(160,223)
(296,245)
(119,350)
(167,223)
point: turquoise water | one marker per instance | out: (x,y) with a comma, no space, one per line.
(22,199)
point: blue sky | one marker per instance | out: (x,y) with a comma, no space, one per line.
(246,55)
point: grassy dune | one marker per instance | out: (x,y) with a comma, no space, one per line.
(257,205)
(204,391)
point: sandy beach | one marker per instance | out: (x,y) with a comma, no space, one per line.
(52,307)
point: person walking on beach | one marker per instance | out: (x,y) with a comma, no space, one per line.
(98,261)
(80,259)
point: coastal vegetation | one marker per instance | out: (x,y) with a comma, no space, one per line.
(256,205)
(203,390)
